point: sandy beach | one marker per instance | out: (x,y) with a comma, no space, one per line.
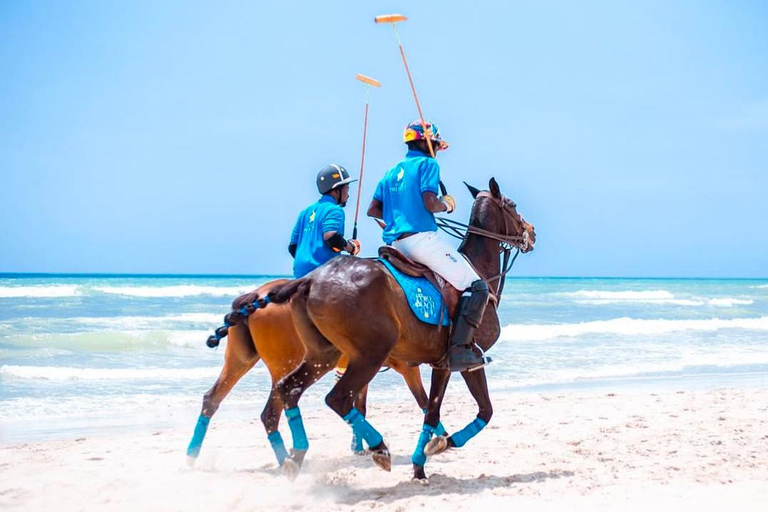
(552,451)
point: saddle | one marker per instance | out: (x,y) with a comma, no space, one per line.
(411,268)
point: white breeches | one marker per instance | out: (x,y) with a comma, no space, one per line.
(427,249)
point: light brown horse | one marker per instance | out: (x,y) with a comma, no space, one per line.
(354,308)
(269,334)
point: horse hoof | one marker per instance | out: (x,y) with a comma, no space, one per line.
(419,476)
(297,456)
(360,452)
(436,445)
(291,469)
(382,459)
(191,461)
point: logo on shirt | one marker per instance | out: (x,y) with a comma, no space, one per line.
(312,217)
(399,185)
(450,257)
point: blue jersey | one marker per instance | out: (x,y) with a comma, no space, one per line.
(400,193)
(313,222)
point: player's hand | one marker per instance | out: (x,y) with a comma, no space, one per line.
(449,202)
(353,247)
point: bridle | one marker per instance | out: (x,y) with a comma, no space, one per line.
(506,241)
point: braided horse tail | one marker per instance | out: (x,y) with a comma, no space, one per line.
(245,305)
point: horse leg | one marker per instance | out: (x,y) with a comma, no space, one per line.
(361,404)
(320,358)
(432,425)
(270,417)
(478,386)
(412,377)
(359,373)
(239,357)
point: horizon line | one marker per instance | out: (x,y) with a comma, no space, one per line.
(276,276)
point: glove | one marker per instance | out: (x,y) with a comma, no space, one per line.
(449,202)
(355,247)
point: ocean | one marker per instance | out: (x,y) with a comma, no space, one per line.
(93,355)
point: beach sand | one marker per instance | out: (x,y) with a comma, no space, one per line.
(626,450)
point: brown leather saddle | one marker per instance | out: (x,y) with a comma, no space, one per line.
(409,267)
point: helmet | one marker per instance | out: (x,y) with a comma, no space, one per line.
(415,131)
(332,176)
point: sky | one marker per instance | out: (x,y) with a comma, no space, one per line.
(185,137)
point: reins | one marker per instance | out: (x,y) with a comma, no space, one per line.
(506,242)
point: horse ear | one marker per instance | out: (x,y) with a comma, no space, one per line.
(472,190)
(494,187)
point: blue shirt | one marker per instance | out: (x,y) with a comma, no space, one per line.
(313,222)
(400,193)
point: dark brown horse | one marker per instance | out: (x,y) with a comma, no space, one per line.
(269,335)
(354,308)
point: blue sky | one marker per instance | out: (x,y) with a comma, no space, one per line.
(184,137)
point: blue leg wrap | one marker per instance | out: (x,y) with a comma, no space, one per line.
(439,429)
(418,456)
(461,437)
(357,443)
(362,428)
(276,440)
(193,450)
(298,433)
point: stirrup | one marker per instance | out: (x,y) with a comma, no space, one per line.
(467,359)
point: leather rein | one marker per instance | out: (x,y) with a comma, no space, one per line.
(506,241)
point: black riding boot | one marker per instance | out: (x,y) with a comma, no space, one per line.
(461,355)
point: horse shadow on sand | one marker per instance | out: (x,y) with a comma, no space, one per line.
(439,483)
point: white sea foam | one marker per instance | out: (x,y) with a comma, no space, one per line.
(602,297)
(67,373)
(729,302)
(151,322)
(38,291)
(623,295)
(627,327)
(714,362)
(175,291)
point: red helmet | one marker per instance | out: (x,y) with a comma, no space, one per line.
(415,131)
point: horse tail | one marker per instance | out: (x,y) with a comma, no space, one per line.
(245,305)
(242,308)
(284,293)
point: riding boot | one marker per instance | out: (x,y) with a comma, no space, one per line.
(463,354)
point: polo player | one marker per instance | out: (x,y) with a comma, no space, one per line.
(318,234)
(406,199)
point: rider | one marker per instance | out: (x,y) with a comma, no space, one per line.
(318,234)
(406,198)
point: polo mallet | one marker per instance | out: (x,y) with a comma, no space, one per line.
(394,19)
(369,82)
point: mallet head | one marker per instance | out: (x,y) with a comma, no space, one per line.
(389,18)
(368,80)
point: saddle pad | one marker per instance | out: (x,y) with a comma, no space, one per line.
(423,298)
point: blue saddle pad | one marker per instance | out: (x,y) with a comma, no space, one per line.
(422,296)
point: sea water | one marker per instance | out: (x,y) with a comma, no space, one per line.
(85,355)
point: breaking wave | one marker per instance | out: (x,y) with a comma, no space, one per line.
(627,327)
(184,290)
(601,297)
(66,373)
(38,291)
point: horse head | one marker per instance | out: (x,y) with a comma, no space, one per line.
(496,214)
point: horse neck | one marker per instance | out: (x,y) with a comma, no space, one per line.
(483,252)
